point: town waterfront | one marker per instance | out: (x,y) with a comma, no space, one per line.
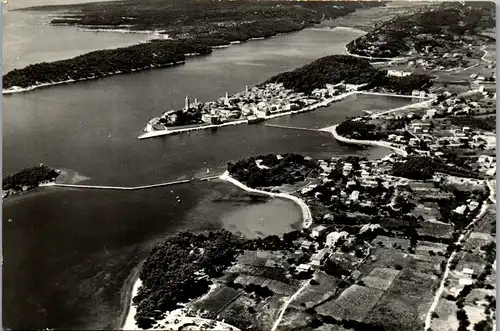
(71,265)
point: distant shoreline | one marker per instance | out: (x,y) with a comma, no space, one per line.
(17,89)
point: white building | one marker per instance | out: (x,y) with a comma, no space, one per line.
(333,237)
(318,231)
(354,196)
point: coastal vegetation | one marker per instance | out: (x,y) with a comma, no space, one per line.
(350,70)
(158,53)
(28,178)
(272,170)
(179,269)
(360,130)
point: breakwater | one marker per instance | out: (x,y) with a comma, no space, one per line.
(122,188)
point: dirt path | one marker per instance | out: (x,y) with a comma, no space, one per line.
(287,303)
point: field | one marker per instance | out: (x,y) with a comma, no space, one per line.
(391,242)
(385,258)
(470,260)
(398,312)
(423,247)
(315,293)
(381,278)
(354,303)
(478,239)
(216,300)
(417,284)
(274,285)
(447,312)
(435,230)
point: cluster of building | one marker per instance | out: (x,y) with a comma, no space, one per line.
(253,104)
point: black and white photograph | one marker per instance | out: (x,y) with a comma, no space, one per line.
(249,165)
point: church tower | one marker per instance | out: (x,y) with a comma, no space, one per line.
(186,103)
(226,100)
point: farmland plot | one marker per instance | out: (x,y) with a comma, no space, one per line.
(397,312)
(381,278)
(353,304)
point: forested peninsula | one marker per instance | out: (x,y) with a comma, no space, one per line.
(351,70)
(188,27)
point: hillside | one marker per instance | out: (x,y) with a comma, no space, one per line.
(441,28)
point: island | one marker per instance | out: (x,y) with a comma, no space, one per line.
(28,179)
(179,29)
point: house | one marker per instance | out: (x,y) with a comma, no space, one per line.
(318,231)
(306,244)
(354,196)
(351,183)
(460,209)
(303,268)
(333,237)
(468,273)
(320,257)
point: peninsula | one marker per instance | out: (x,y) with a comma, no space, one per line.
(326,80)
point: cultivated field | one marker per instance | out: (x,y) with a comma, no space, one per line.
(354,303)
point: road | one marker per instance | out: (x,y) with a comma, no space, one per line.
(458,243)
(287,303)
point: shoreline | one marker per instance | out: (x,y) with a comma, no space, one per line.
(320,104)
(307,218)
(17,89)
(333,131)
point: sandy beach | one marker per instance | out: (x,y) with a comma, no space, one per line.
(333,131)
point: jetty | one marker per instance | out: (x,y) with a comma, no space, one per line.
(289,127)
(121,188)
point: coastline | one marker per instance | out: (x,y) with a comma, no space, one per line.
(333,131)
(17,89)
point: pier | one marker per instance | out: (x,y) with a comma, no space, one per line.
(289,127)
(121,188)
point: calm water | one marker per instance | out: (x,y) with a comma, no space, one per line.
(27,38)
(69,254)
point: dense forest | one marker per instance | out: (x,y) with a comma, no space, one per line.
(440,28)
(349,69)
(29,177)
(176,269)
(424,167)
(105,62)
(274,171)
